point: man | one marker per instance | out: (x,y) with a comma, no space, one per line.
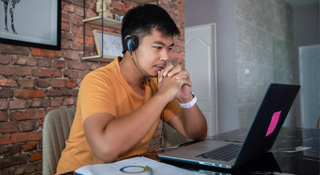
(119,105)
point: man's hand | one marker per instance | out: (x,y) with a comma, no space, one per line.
(175,82)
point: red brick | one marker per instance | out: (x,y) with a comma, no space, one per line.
(29,168)
(64,16)
(82,74)
(14,49)
(76,46)
(68,8)
(56,102)
(17,104)
(58,83)
(68,102)
(71,83)
(46,53)
(29,125)
(29,146)
(77,65)
(31,61)
(26,83)
(44,62)
(3,116)
(39,103)
(67,36)
(76,30)
(46,73)
(27,93)
(70,54)
(77,20)
(65,26)
(25,137)
(8,82)
(15,70)
(59,64)
(35,156)
(4,139)
(9,127)
(19,60)
(59,92)
(42,83)
(70,73)
(4,59)
(29,114)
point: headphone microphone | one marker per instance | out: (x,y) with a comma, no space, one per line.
(132,43)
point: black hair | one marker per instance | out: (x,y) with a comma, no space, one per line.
(139,21)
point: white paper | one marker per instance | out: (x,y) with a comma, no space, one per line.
(136,165)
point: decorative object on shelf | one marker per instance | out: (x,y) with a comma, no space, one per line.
(103,8)
(108,44)
(31,23)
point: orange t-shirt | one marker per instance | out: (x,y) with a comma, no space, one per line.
(106,91)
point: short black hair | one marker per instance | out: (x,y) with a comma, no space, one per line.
(139,21)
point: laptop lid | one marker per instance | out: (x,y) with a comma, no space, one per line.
(260,138)
(268,122)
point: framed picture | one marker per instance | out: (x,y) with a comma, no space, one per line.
(35,23)
(108,44)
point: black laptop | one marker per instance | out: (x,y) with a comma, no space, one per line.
(260,138)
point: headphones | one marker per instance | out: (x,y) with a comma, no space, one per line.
(131,44)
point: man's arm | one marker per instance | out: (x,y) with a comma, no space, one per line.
(190,122)
(110,136)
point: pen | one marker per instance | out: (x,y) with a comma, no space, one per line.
(149,170)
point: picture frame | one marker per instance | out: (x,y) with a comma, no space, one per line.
(109,46)
(35,23)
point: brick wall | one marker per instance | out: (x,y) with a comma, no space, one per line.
(34,81)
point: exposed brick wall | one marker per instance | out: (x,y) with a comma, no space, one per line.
(34,81)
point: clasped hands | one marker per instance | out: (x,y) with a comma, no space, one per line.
(174,81)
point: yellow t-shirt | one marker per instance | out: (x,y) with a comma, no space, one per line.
(106,91)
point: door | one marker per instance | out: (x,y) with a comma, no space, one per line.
(200,61)
(309,57)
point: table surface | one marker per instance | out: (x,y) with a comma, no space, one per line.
(295,151)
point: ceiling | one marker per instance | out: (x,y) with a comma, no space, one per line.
(297,3)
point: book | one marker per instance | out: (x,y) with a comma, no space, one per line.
(135,165)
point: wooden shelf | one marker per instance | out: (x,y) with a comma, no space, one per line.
(106,22)
(98,58)
(143,1)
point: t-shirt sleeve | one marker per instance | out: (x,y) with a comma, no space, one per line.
(96,95)
(171,110)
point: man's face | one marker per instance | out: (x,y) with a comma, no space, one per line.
(153,52)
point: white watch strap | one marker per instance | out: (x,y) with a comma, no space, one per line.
(189,104)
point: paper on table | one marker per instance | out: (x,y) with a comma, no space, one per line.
(136,165)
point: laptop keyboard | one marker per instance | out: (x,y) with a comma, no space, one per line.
(224,153)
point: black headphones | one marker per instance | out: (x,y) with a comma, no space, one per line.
(131,44)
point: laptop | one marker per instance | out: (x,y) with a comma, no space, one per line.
(259,139)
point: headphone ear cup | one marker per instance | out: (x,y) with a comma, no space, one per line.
(132,43)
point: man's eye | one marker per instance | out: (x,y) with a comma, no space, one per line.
(170,48)
(158,48)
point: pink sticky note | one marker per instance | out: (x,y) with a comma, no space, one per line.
(273,123)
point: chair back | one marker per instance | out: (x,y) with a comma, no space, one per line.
(56,128)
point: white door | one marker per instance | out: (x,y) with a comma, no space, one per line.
(309,57)
(200,61)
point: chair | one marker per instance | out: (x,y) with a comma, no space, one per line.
(56,128)
(172,137)
(318,125)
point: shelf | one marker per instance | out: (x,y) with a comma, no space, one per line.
(98,58)
(106,22)
(143,1)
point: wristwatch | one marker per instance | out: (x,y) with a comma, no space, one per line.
(191,103)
